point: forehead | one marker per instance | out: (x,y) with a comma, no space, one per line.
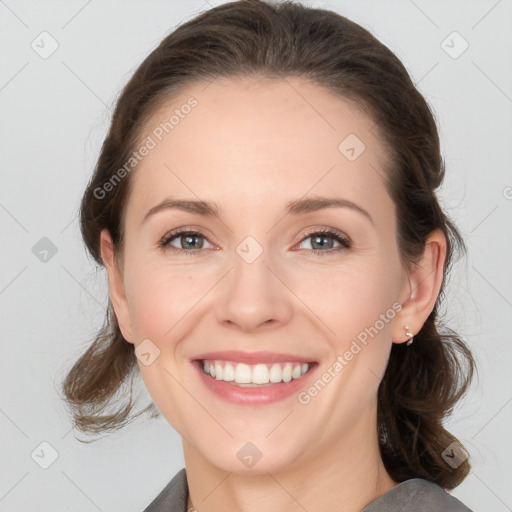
(255,142)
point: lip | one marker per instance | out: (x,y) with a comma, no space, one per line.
(252,357)
(263,395)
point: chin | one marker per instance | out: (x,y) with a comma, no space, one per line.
(251,457)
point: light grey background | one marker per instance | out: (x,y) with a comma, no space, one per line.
(54,115)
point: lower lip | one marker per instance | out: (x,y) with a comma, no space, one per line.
(254,395)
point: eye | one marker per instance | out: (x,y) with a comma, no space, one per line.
(193,241)
(325,239)
(190,241)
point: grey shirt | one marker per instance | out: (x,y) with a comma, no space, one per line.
(416,495)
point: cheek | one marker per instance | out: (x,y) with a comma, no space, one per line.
(351,297)
(161,296)
(358,304)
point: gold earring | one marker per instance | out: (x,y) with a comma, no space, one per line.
(410,334)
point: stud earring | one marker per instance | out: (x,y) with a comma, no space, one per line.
(409,334)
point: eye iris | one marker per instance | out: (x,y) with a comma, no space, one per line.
(188,239)
(318,237)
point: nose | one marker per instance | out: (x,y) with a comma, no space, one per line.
(253,296)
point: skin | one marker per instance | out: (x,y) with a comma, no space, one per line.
(251,146)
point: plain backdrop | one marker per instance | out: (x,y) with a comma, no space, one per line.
(54,114)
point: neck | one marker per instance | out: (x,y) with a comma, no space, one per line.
(346,476)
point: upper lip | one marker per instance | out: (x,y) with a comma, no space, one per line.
(252,357)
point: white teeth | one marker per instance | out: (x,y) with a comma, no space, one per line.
(287,372)
(276,373)
(229,372)
(218,371)
(242,373)
(296,372)
(261,373)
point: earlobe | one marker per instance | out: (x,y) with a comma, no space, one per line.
(424,282)
(116,286)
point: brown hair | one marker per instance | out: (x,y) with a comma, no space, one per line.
(423,382)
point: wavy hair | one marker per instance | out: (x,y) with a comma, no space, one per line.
(422,383)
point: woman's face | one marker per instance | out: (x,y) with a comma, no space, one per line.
(248,280)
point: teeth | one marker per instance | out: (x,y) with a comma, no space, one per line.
(287,372)
(242,374)
(251,375)
(229,372)
(276,374)
(218,371)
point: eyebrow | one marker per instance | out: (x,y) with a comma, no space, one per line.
(295,207)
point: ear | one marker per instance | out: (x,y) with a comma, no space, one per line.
(424,281)
(116,286)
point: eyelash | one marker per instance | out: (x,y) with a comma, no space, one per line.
(345,242)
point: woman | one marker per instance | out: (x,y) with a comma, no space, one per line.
(264,204)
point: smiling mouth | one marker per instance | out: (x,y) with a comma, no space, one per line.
(254,375)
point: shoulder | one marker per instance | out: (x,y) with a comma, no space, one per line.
(416,495)
(173,497)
